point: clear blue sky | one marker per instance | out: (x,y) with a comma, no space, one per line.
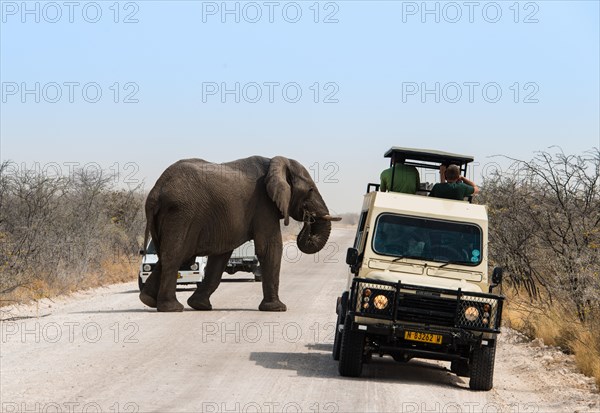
(374,61)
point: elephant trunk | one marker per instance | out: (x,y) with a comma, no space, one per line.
(313,236)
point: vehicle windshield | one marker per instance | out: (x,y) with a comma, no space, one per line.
(427,239)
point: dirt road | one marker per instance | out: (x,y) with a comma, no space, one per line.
(102,350)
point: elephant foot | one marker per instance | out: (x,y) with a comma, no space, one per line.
(172,306)
(275,305)
(148,300)
(201,304)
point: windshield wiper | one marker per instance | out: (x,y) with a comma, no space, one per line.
(444,263)
(393,261)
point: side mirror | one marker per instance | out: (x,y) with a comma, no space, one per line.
(497,275)
(352,256)
(142,252)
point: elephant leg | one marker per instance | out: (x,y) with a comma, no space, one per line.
(215,265)
(172,255)
(167,299)
(268,250)
(149,293)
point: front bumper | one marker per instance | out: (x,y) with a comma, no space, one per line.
(183,277)
(390,338)
(239,264)
(425,310)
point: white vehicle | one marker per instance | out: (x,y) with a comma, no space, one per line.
(188,274)
(243,259)
(419,284)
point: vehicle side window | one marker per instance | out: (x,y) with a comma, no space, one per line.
(358,242)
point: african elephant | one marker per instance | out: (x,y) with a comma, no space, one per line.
(198,208)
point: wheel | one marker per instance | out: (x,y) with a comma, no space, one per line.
(352,350)
(257,274)
(140,283)
(482,368)
(337,337)
(460,368)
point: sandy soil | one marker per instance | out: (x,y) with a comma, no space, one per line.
(102,350)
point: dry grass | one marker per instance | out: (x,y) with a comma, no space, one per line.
(556,327)
(587,354)
(111,271)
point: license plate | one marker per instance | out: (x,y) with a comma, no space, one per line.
(423,337)
(179,275)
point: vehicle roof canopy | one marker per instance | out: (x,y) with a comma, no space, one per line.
(427,158)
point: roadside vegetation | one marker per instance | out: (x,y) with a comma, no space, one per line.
(61,234)
(545,231)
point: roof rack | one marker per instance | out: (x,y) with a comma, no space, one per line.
(426,158)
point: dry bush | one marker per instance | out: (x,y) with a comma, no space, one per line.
(545,231)
(545,227)
(60,233)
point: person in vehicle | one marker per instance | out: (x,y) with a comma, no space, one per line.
(406,178)
(453,185)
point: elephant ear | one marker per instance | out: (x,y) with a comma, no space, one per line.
(278,187)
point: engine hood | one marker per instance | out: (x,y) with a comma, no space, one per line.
(424,281)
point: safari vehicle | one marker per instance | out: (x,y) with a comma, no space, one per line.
(188,274)
(418,283)
(243,259)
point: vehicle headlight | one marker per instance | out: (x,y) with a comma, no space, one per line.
(471,313)
(147,268)
(479,311)
(194,266)
(375,299)
(380,302)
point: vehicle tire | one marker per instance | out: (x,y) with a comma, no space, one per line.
(257,274)
(482,368)
(140,283)
(460,368)
(351,351)
(337,337)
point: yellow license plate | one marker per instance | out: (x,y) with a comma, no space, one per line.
(179,275)
(423,337)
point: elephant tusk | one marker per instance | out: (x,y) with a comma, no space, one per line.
(330,218)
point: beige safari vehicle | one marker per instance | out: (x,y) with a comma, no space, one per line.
(419,283)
